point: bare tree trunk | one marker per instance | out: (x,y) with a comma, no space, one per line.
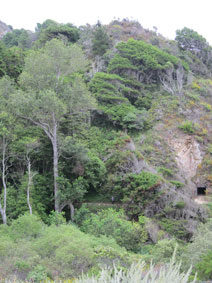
(29,184)
(3,209)
(68,203)
(4,217)
(52,134)
(173,81)
(71,211)
(55,167)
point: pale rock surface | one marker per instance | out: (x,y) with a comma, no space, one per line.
(188,155)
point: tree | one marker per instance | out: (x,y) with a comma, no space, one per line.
(197,251)
(100,40)
(14,61)
(19,38)
(51,29)
(3,53)
(190,40)
(143,61)
(70,193)
(173,80)
(51,91)
(204,266)
(114,224)
(25,147)
(45,25)
(7,124)
(114,95)
(11,61)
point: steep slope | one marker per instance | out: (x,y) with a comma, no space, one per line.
(179,146)
(156,95)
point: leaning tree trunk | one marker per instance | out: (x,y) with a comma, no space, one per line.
(71,206)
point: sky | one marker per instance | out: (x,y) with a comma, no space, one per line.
(166,15)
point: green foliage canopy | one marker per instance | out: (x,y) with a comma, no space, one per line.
(51,29)
(61,251)
(190,40)
(142,58)
(18,37)
(115,224)
(100,41)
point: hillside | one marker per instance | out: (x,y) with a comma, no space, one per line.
(107,129)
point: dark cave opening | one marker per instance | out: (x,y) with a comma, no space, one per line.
(201,191)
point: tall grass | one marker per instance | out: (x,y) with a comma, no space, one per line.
(137,273)
(140,273)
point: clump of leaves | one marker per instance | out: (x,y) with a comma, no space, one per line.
(187,127)
(165,171)
(180,204)
(177,183)
(114,224)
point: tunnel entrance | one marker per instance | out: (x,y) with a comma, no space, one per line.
(201,191)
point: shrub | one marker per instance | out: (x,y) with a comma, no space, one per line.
(59,251)
(100,41)
(200,246)
(136,191)
(177,183)
(114,224)
(187,127)
(195,85)
(165,171)
(207,106)
(27,226)
(193,96)
(81,214)
(56,218)
(175,228)
(66,251)
(204,267)
(38,274)
(95,171)
(180,204)
(127,116)
(139,55)
(163,250)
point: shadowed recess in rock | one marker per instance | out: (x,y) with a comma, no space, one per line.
(201,191)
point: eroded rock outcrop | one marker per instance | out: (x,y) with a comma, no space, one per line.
(172,204)
(188,154)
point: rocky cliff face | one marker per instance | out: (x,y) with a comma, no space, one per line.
(187,157)
(187,154)
(179,148)
(4,29)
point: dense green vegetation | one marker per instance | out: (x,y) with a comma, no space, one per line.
(71,251)
(100,40)
(90,178)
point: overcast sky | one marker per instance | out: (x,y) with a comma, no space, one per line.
(166,15)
